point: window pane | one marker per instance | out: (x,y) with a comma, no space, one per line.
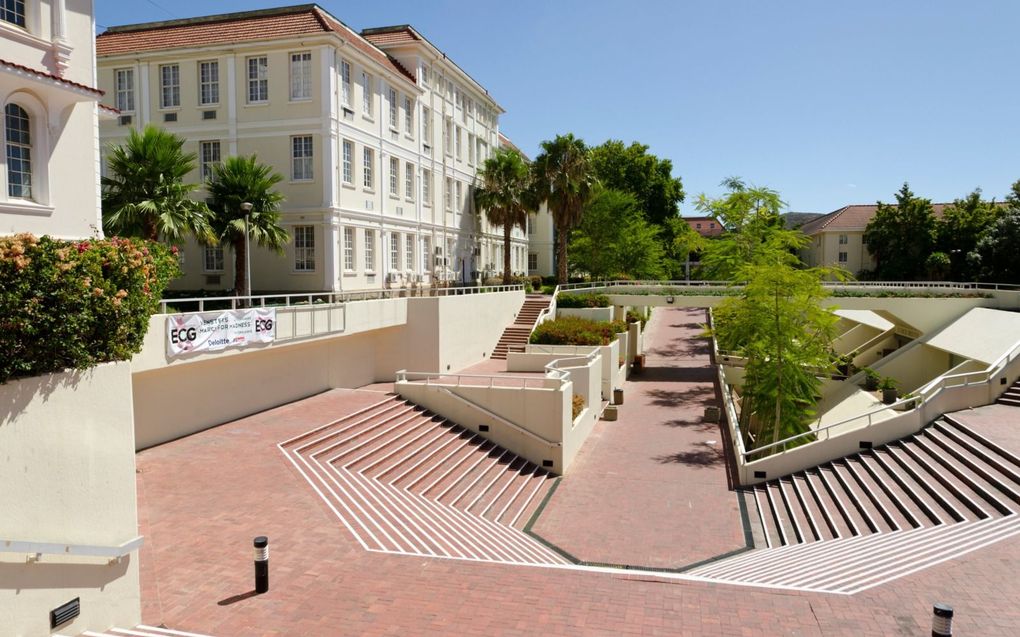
(18,135)
(13,11)
(301,157)
(300,76)
(304,248)
(348,159)
(209,82)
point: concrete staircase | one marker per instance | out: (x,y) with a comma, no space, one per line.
(140,631)
(1011,396)
(868,518)
(403,480)
(517,334)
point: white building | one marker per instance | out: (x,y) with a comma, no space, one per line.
(378,136)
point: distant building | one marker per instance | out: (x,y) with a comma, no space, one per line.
(705,226)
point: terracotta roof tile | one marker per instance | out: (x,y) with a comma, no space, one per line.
(20,68)
(853,217)
(390,37)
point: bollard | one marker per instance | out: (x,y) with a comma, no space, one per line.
(942,621)
(617,396)
(261,564)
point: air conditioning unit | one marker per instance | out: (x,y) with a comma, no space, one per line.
(169,117)
(208,114)
(124,120)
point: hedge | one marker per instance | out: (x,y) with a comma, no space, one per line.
(574,330)
(75,304)
(582,300)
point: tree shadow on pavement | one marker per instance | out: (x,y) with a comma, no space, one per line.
(704,455)
(697,425)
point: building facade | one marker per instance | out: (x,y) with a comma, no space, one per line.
(378,137)
(50,106)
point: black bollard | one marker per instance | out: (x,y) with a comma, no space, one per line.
(261,564)
(942,621)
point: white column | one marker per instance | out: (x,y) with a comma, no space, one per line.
(143,106)
(331,237)
(58,36)
(231,104)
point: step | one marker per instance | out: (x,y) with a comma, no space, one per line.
(479,501)
(352,430)
(832,520)
(507,502)
(969,469)
(433,430)
(418,458)
(817,527)
(534,495)
(753,518)
(855,497)
(842,505)
(901,499)
(885,510)
(363,419)
(796,515)
(950,477)
(944,502)
(926,511)
(994,458)
(473,483)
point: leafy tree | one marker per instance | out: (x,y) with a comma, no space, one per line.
(505,194)
(901,237)
(235,181)
(565,181)
(650,179)
(613,239)
(958,231)
(145,194)
(995,255)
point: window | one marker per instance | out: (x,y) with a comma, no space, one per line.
(370,250)
(447,146)
(209,82)
(842,239)
(460,197)
(426,250)
(842,257)
(459,140)
(426,187)
(345,82)
(394,251)
(209,156)
(258,79)
(409,180)
(301,157)
(408,252)
(471,108)
(367,163)
(18,135)
(394,120)
(471,149)
(408,116)
(301,76)
(304,248)
(169,85)
(125,89)
(349,249)
(366,94)
(531,225)
(13,11)
(424,75)
(426,126)
(213,259)
(532,261)
(448,194)
(394,177)
(348,162)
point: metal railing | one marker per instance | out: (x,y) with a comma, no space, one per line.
(323,298)
(79,550)
(487,380)
(835,285)
(501,419)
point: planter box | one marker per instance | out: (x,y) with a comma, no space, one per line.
(590,313)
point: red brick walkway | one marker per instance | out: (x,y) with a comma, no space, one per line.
(650,489)
(202,499)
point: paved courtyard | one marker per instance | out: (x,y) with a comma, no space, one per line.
(649,489)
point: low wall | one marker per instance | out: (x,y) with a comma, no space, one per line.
(601,314)
(586,382)
(535,358)
(68,477)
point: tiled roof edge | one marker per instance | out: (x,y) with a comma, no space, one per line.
(209,19)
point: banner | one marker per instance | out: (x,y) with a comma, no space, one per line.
(213,331)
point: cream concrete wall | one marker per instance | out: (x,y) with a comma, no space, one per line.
(469,326)
(853,338)
(586,382)
(915,367)
(68,477)
(535,358)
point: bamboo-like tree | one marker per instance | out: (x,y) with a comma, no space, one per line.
(144,194)
(505,194)
(565,180)
(235,181)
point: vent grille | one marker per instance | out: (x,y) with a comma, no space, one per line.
(208,114)
(124,120)
(212,279)
(65,613)
(169,117)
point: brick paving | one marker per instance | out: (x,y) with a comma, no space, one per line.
(203,498)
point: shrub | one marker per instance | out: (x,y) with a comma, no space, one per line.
(633,316)
(574,330)
(75,304)
(582,300)
(536,282)
(577,405)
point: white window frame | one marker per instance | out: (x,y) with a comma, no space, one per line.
(459,132)
(367,167)
(409,181)
(408,116)
(124,86)
(367,96)
(208,156)
(448,194)
(394,177)
(349,249)
(426,188)
(345,83)
(394,251)
(426,125)
(843,240)
(448,136)
(842,257)
(208,82)
(16,14)
(28,153)
(300,76)
(302,158)
(370,251)
(391,97)
(471,149)
(408,252)
(347,162)
(213,254)
(169,87)
(257,73)
(304,249)
(532,261)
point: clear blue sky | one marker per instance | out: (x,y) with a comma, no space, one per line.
(828,103)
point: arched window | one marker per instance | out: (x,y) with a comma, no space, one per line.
(18,135)
(13,11)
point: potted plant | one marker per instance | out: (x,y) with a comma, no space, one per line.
(843,364)
(871,379)
(889,390)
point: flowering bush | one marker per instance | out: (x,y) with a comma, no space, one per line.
(577,405)
(574,330)
(582,300)
(75,304)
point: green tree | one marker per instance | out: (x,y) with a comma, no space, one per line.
(505,195)
(244,180)
(650,179)
(958,231)
(145,194)
(614,239)
(565,181)
(900,237)
(681,243)
(995,255)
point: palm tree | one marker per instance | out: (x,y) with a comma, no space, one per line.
(241,180)
(145,194)
(504,195)
(565,180)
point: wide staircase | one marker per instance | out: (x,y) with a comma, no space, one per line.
(1011,396)
(140,631)
(517,334)
(865,519)
(403,480)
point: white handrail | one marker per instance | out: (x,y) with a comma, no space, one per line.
(405,376)
(943,285)
(503,420)
(82,550)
